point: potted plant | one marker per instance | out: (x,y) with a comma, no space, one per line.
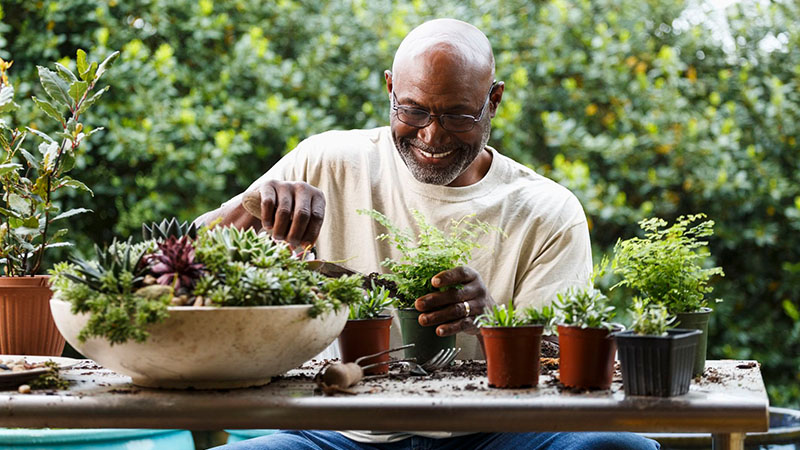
(666,267)
(586,348)
(423,256)
(367,329)
(31,218)
(227,308)
(512,342)
(656,360)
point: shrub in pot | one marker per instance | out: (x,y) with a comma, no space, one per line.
(367,329)
(30,216)
(226,309)
(656,360)
(512,342)
(423,256)
(586,347)
(666,267)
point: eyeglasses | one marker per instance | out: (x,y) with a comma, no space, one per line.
(419,118)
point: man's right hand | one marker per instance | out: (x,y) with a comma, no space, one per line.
(292,210)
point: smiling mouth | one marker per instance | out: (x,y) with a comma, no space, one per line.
(435,155)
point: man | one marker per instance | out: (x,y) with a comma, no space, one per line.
(433,158)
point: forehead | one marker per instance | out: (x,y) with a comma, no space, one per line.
(439,79)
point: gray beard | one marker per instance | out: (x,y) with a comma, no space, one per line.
(464,156)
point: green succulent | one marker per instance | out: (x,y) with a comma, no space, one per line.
(372,303)
(650,319)
(507,316)
(584,307)
(168,228)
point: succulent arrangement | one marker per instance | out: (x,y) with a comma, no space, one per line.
(650,319)
(427,254)
(129,286)
(585,307)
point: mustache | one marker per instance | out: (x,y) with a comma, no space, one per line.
(430,149)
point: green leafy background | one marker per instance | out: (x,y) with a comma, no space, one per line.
(640,107)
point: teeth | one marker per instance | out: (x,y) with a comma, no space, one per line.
(435,155)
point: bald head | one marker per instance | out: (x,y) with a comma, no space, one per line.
(446,43)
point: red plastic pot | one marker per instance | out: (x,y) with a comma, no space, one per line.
(26,323)
(361,337)
(512,355)
(586,357)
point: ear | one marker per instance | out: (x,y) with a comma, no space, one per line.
(497,95)
(387,74)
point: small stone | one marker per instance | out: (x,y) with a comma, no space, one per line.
(17,368)
(176,301)
(149,279)
(154,291)
(184,299)
(207,302)
(199,300)
(4,367)
(24,389)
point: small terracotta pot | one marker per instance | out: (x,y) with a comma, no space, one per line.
(26,323)
(586,357)
(361,337)
(512,355)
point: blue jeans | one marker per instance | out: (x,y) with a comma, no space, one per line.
(323,440)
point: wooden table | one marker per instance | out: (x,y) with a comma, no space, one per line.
(727,401)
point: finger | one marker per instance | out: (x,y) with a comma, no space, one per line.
(459,275)
(283,211)
(451,313)
(438,300)
(268,201)
(301,215)
(317,217)
(451,328)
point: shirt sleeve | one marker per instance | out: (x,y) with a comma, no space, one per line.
(565,260)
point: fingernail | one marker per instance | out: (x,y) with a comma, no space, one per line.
(435,282)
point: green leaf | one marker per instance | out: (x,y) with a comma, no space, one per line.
(70,213)
(81,62)
(41,135)
(77,89)
(9,167)
(26,231)
(55,86)
(106,64)
(6,94)
(75,184)
(31,222)
(89,74)
(59,244)
(18,204)
(48,109)
(67,161)
(8,107)
(66,74)
(32,160)
(89,101)
(10,213)
(95,130)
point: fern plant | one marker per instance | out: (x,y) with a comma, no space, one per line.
(666,265)
(430,252)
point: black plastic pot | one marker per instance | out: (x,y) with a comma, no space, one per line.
(658,366)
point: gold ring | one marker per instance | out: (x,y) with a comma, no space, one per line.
(466,308)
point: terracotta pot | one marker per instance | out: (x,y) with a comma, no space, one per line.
(512,355)
(26,324)
(362,337)
(697,320)
(586,357)
(426,342)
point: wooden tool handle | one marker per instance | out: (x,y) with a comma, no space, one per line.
(252,203)
(342,375)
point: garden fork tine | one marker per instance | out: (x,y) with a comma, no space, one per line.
(441,359)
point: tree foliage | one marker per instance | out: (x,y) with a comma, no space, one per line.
(639,107)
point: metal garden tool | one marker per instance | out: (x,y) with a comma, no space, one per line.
(440,360)
(340,376)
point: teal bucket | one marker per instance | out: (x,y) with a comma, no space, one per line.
(243,435)
(94,439)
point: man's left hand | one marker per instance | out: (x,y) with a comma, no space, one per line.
(453,310)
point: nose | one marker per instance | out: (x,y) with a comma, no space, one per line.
(433,135)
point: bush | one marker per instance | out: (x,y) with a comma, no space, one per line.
(638,107)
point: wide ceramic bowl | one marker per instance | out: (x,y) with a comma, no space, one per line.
(211,347)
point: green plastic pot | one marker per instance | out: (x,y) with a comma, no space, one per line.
(697,321)
(426,342)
